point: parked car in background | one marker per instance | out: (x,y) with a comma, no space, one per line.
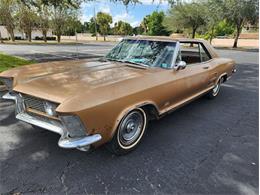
(110,100)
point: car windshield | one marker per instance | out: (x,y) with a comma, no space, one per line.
(144,53)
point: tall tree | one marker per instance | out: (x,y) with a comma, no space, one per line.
(214,14)
(104,20)
(144,25)
(59,16)
(123,28)
(155,24)
(138,30)
(93,27)
(8,9)
(59,12)
(58,19)
(187,15)
(43,20)
(73,26)
(240,11)
(27,20)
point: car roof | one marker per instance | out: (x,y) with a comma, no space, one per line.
(162,38)
(209,48)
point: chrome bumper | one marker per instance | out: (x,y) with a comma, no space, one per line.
(81,143)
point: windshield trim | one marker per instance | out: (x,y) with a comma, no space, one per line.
(175,54)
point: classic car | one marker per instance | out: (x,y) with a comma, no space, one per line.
(110,100)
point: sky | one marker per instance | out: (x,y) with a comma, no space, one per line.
(132,14)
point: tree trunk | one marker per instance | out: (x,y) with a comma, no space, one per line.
(44,34)
(210,40)
(58,37)
(2,41)
(211,35)
(239,29)
(104,37)
(11,32)
(29,34)
(194,32)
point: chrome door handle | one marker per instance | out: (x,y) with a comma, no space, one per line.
(206,67)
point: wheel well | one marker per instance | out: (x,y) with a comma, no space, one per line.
(151,111)
(225,78)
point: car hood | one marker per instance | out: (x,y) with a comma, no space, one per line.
(60,80)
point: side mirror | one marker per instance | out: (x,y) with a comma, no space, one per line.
(180,65)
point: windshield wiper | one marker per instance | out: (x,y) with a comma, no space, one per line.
(136,63)
(139,65)
(114,60)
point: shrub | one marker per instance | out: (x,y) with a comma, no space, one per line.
(18,38)
(48,38)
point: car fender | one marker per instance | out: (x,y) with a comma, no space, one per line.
(127,110)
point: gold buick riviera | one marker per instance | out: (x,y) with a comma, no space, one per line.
(111,100)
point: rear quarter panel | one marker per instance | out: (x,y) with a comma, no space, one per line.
(223,67)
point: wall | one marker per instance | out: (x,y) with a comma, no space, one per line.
(18,33)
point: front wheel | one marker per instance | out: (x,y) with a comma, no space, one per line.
(215,91)
(129,132)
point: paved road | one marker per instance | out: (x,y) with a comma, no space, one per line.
(43,53)
(206,147)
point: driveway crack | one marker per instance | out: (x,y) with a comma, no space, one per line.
(63,176)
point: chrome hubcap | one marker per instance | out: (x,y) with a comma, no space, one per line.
(217,87)
(130,128)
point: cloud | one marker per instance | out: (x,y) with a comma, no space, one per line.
(105,9)
(123,16)
(85,18)
(87,10)
(126,17)
(135,23)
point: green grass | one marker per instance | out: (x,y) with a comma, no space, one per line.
(8,62)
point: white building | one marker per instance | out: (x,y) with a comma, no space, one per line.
(17,33)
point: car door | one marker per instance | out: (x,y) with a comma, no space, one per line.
(194,79)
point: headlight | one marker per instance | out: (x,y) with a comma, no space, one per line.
(50,108)
(8,82)
(73,125)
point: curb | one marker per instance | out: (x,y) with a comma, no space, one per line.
(239,49)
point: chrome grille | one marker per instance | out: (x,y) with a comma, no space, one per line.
(45,119)
(33,103)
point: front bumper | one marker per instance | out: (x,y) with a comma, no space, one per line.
(81,143)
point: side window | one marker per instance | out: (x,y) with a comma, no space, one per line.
(204,53)
(190,52)
(193,53)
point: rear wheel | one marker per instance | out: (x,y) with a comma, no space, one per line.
(129,132)
(215,91)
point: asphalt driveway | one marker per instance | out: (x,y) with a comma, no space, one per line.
(206,147)
(44,53)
